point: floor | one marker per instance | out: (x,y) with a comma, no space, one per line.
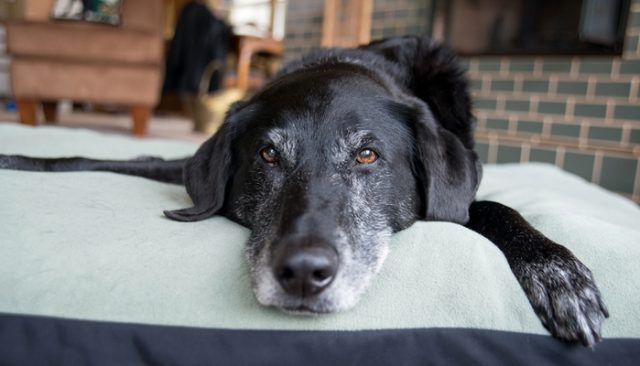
(161,126)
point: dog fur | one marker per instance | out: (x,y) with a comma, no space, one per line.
(404,99)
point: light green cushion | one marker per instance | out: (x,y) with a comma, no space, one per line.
(92,245)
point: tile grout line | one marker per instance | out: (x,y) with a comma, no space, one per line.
(492,154)
(533,107)
(546,127)
(583,139)
(636,189)
(500,103)
(582,98)
(525,152)
(504,66)
(566,76)
(591,88)
(635,86)
(597,167)
(573,72)
(618,123)
(560,156)
(553,85)
(609,112)
(625,139)
(486,83)
(513,124)
(615,69)
(537,67)
(571,106)
(517,84)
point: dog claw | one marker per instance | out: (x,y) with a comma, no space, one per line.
(564,295)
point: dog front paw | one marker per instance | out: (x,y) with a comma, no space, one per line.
(564,295)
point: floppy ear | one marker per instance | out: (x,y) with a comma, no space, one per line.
(430,70)
(206,176)
(448,172)
(445,163)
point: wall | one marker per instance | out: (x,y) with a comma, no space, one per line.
(579,113)
(389,18)
(4,64)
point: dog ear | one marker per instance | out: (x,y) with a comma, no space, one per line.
(206,176)
(448,173)
(431,71)
(445,163)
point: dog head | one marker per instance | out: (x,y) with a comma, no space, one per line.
(323,165)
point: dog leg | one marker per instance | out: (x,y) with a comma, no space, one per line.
(168,171)
(560,288)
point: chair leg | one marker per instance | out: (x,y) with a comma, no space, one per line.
(243,68)
(140,115)
(27,110)
(50,110)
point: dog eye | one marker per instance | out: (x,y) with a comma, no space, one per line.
(366,156)
(270,155)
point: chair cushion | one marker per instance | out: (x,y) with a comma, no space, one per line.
(94,82)
(83,41)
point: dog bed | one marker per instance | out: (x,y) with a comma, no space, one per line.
(92,272)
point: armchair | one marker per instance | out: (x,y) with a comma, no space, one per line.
(81,61)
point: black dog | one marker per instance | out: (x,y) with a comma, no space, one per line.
(342,149)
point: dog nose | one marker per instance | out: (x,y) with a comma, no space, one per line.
(306,271)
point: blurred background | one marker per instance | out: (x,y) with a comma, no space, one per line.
(553,81)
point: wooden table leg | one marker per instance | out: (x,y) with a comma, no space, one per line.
(27,109)
(244,66)
(140,115)
(50,110)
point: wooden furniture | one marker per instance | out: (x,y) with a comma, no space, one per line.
(82,61)
(346,23)
(245,48)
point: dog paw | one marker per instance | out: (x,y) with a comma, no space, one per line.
(564,295)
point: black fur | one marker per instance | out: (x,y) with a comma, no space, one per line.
(560,288)
(406,100)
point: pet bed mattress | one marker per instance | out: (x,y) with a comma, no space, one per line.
(92,272)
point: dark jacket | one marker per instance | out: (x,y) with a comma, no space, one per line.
(200,37)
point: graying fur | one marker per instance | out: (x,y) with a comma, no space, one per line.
(565,298)
(362,238)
